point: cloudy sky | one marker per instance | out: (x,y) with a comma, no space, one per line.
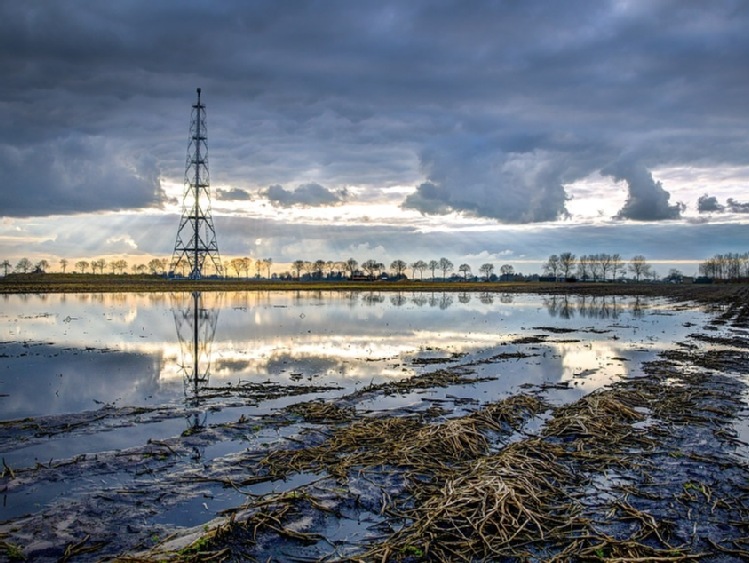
(482,131)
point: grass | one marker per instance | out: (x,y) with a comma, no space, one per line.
(108,283)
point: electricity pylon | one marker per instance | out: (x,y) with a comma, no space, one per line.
(196,236)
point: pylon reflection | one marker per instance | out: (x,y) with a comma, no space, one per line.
(195,317)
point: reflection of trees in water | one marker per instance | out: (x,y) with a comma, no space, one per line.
(638,307)
(560,306)
(372,298)
(419,300)
(195,318)
(398,299)
(592,306)
(486,298)
(442,300)
(464,297)
(507,298)
(353,298)
(600,307)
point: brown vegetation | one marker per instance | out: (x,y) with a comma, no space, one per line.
(89,283)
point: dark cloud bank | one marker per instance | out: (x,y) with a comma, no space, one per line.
(486,108)
(306,195)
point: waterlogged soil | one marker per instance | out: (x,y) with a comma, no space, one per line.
(652,467)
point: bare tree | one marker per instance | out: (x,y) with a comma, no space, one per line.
(551,267)
(319,268)
(596,266)
(675,276)
(487,269)
(583,267)
(42,266)
(98,264)
(298,266)
(607,264)
(639,267)
(419,266)
(6,266)
(506,270)
(351,266)
(330,267)
(616,265)
(82,266)
(246,266)
(398,266)
(155,266)
(24,265)
(730,266)
(120,265)
(371,267)
(63,264)
(309,267)
(446,266)
(433,265)
(566,263)
(465,269)
(236,264)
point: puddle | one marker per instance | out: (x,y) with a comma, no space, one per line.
(154,391)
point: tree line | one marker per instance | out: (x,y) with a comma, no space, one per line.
(729,267)
(99,265)
(596,267)
(586,267)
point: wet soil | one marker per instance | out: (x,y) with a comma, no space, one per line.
(651,468)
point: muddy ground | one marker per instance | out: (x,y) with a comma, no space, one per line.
(652,468)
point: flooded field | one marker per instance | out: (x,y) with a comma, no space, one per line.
(130,419)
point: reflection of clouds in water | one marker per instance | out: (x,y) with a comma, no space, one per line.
(590,365)
(348,338)
(61,380)
(334,355)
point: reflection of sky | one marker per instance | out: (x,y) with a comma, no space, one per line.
(62,353)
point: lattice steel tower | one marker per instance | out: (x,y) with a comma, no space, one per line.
(196,236)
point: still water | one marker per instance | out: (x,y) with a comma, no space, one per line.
(106,372)
(69,353)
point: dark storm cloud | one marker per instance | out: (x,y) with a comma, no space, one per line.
(709,204)
(646,198)
(306,195)
(234,194)
(513,188)
(523,98)
(75,174)
(737,206)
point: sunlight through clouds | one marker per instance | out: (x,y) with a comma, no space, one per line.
(463,131)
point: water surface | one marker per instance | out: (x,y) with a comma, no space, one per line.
(104,373)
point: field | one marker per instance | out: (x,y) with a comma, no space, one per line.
(89,283)
(651,468)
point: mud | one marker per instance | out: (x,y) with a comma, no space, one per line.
(653,467)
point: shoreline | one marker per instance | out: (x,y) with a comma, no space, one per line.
(652,467)
(106,283)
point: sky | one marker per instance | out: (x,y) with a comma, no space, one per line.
(481,131)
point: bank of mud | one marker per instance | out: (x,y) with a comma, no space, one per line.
(650,468)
